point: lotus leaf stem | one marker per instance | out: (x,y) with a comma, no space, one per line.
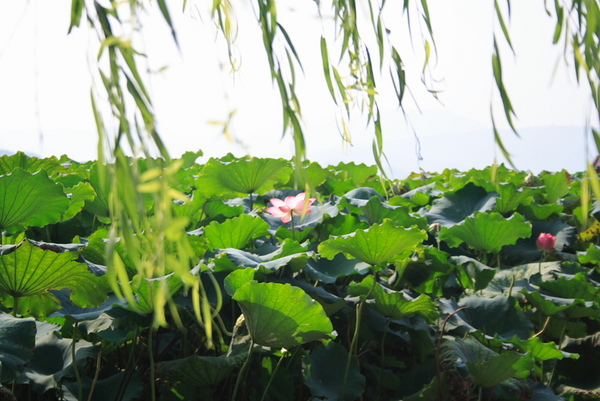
(74,362)
(152,367)
(243,371)
(272,376)
(352,350)
(96,374)
(562,336)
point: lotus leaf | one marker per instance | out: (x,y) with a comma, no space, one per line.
(325,371)
(454,207)
(394,304)
(556,185)
(30,200)
(243,176)
(281,316)
(378,244)
(28,273)
(235,232)
(17,340)
(487,232)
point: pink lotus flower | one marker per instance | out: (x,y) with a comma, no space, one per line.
(292,205)
(546,242)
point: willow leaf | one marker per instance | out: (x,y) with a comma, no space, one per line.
(327,68)
(503,25)
(165,12)
(77,7)
(497,69)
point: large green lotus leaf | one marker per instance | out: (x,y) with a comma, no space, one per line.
(243,176)
(497,369)
(201,371)
(425,273)
(17,340)
(591,255)
(237,279)
(116,326)
(582,375)
(342,224)
(487,232)
(325,370)
(33,271)
(347,176)
(473,274)
(511,197)
(297,235)
(378,244)
(267,264)
(417,197)
(549,306)
(77,313)
(235,232)
(361,195)
(328,271)
(232,208)
(51,165)
(357,174)
(312,175)
(541,351)
(30,200)
(394,304)
(52,361)
(267,257)
(556,185)
(576,292)
(537,212)
(282,316)
(486,367)
(375,211)
(499,316)
(454,207)
(490,175)
(577,287)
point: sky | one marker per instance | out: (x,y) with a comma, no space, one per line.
(46,76)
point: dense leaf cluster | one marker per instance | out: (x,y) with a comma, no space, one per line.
(427,288)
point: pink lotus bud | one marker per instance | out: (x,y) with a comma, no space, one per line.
(546,242)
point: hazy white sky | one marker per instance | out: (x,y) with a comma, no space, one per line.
(45,85)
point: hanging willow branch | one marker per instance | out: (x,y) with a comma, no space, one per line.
(355,48)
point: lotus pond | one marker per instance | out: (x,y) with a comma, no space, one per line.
(477,285)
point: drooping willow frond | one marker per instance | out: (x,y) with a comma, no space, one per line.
(357,53)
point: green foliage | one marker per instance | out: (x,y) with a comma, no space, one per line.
(31,271)
(17,340)
(243,176)
(370,295)
(281,316)
(376,245)
(30,200)
(487,232)
(324,373)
